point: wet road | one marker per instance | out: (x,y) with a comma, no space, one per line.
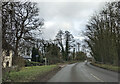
(81,72)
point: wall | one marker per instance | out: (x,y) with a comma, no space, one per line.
(6,59)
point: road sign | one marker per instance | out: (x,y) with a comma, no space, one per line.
(37,55)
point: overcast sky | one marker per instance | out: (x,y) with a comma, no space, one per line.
(64,15)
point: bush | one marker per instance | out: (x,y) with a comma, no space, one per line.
(19,62)
(28,63)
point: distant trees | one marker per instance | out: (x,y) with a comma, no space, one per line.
(103,31)
(19,21)
(81,56)
(57,50)
(60,41)
(62,48)
(64,39)
(53,53)
(35,55)
(68,41)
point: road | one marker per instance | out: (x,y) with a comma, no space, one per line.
(81,72)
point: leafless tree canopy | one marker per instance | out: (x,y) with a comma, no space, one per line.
(19,21)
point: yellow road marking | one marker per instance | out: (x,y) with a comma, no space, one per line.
(97,78)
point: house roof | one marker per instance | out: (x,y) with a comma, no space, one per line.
(26,57)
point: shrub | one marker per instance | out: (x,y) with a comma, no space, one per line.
(19,62)
(28,63)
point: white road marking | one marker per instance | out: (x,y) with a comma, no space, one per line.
(97,78)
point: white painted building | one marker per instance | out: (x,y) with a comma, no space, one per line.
(26,54)
(7,58)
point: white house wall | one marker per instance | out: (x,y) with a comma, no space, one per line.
(7,59)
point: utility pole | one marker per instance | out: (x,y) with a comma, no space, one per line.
(78,46)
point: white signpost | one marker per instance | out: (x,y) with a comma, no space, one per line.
(36,58)
(45,61)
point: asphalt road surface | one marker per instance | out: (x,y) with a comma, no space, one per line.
(82,72)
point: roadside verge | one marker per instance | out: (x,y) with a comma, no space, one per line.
(46,76)
(30,74)
(107,67)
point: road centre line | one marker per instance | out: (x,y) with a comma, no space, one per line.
(97,78)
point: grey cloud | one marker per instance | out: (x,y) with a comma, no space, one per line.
(49,10)
(71,16)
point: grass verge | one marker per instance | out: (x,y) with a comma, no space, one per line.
(108,67)
(28,74)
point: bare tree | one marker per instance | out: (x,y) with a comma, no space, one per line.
(103,32)
(20,23)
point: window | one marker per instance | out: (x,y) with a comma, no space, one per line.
(7,64)
(28,53)
(7,53)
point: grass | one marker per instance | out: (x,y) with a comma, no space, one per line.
(109,67)
(27,74)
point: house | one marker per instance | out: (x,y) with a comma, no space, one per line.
(7,58)
(27,57)
(90,59)
(26,54)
